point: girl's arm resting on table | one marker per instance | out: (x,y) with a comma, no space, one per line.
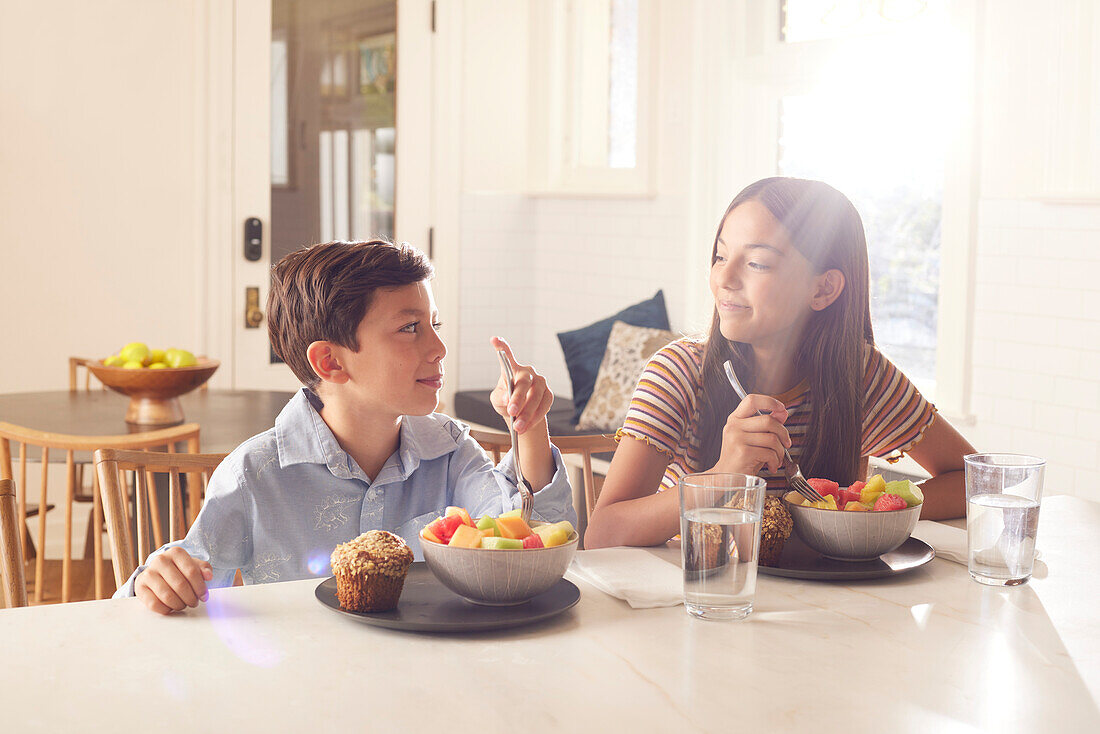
(630,510)
(940,451)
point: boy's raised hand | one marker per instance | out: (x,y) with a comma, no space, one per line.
(530,401)
(751,441)
(173,580)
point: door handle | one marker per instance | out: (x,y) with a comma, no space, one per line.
(252,313)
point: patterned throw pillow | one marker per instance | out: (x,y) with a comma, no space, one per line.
(628,350)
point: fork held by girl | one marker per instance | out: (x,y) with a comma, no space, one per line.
(789,277)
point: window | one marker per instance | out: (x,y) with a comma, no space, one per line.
(874,122)
(591,59)
(886,153)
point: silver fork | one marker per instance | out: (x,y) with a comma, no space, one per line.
(795,480)
(527,497)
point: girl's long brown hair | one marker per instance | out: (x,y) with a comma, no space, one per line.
(826,229)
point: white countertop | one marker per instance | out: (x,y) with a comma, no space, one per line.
(928,651)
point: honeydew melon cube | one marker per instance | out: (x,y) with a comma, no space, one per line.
(466,537)
(907,491)
(501,543)
(487,523)
(510,513)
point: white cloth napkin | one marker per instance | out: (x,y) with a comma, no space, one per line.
(632,574)
(948,542)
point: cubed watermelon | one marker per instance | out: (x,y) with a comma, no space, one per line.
(825,487)
(438,529)
(450,524)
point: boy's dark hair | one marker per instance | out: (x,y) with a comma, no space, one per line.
(320,293)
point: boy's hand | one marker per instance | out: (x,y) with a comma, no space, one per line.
(529,402)
(173,580)
(750,441)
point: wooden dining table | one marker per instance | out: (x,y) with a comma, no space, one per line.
(226,417)
(926,651)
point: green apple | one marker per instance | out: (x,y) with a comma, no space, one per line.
(134,352)
(179,358)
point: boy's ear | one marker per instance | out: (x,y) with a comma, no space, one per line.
(325,362)
(830,285)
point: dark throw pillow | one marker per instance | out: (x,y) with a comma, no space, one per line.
(584,348)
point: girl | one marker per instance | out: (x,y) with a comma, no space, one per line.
(791,311)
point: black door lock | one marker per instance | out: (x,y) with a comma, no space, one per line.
(253,238)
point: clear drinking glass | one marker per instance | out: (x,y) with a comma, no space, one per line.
(720,540)
(1002,516)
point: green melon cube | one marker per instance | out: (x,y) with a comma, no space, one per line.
(906,490)
(501,543)
(487,523)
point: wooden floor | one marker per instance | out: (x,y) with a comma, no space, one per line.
(83,581)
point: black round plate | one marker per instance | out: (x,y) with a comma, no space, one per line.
(426,605)
(799,561)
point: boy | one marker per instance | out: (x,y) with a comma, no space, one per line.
(359,447)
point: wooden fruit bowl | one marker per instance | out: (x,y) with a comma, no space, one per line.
(154,394)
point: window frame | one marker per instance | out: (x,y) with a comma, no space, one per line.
(556,29)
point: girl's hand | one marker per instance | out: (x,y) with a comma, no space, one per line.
(751,441)
(529,402)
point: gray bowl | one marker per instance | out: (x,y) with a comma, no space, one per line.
(498,577)
(853,536)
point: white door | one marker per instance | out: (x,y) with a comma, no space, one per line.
(323,146)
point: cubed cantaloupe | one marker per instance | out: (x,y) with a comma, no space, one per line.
(466,537)
(513,527)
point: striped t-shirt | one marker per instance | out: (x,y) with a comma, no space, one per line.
(664,410)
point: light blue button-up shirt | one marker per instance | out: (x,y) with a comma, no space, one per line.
(277,506)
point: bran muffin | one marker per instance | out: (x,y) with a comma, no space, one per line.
(370,571)
(775,528)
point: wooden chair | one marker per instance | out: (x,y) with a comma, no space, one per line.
(75,365)
(498,444)
(24,437)
(110,465)
(11,548)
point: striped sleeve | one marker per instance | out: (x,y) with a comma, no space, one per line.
(895,414)
(663,405)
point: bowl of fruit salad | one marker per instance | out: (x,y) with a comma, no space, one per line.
(856,523)
(498,561)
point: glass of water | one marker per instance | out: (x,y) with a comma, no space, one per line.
(720,540)
(1002,516)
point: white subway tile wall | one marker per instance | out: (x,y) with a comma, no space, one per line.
(1036,357)
(531,267)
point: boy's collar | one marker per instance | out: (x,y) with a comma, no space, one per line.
(303,437)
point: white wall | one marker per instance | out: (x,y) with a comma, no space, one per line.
(99,225)
(1036,347)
